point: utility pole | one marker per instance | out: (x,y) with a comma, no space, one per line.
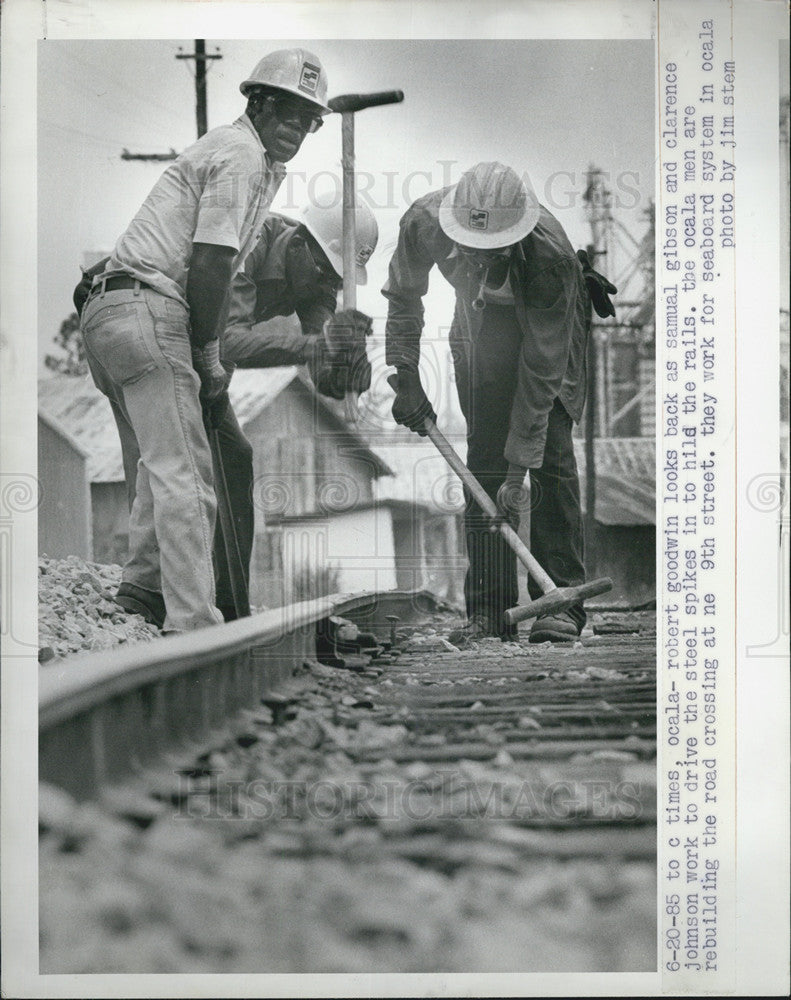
(201,57)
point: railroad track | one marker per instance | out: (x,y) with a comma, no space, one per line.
(419,758)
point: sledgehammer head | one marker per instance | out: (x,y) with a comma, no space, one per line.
(557,600)
(358,102)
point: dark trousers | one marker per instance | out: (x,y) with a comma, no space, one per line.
(486,374)
(237,456)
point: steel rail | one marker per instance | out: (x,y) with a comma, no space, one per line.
(109,714)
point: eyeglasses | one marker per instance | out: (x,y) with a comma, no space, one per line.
(287,109)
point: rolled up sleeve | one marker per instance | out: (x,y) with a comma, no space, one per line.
(548,322)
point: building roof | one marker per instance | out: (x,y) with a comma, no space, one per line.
(420,476)
(57,427)
(625,479)
(85,415)
(78,406)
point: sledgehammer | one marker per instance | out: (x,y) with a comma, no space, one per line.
(554,598)
(346,105)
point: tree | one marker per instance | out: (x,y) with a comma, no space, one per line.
(71,360)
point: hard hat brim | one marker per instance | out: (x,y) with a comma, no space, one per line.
(247,85)
(482,240)
(336,259)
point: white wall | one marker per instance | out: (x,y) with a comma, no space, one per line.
(358,543)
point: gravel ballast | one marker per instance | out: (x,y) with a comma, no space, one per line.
(76,611)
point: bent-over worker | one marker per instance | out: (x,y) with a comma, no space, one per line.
(518,341)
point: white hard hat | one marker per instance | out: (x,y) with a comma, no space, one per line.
(296,71)
(325,224)
(490,207)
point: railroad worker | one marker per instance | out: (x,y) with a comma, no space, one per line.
(295,268)
(152,323)
(518,341)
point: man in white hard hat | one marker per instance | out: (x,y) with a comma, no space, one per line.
(295,268)
(518,341)
(152,323)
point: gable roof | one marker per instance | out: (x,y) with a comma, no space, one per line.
(84,413)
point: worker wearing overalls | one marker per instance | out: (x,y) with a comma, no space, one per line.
(153,318)
(518,341)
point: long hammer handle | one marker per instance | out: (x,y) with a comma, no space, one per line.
(555,598)
(488,506)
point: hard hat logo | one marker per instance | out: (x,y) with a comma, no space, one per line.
(491,207)
(295,71)
(325,225)
(309,80)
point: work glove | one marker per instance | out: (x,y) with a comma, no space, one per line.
(214,411)
(599,288)
(83,289)
(411,406)
(347,330)
(339,362)
(214,378)
(513,497)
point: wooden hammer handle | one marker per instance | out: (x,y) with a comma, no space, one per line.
(488,506)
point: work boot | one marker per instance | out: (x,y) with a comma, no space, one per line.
(560,627)
(137,601)
(478,627)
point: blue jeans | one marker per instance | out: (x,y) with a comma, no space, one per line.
(138,350)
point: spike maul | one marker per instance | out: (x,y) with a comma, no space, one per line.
(346,105)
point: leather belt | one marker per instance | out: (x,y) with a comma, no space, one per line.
(117,284)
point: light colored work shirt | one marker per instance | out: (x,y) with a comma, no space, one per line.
(217,191)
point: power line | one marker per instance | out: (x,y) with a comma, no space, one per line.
(201,58)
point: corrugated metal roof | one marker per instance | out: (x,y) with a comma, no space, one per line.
(253,389)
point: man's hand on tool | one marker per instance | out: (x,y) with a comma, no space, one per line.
(345,334)
(347,330)
(411,407)
(512,498)
(599,288)
(337,359)
(214,378)
(214,411)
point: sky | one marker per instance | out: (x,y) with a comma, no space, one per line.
(549,108)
